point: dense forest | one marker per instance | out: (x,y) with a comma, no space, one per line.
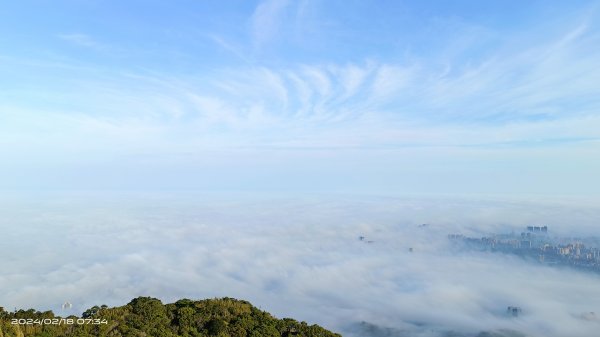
(149,317)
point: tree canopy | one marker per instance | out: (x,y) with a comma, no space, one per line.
(149,317)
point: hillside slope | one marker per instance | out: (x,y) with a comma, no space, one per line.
(149,317)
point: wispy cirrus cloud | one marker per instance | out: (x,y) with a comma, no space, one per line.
(229,46)
(510,90)
(540,101)
(84,40)
(266,21)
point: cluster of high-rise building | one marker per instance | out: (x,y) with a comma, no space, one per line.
(535,243)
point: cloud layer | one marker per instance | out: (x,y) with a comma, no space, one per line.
(300,258)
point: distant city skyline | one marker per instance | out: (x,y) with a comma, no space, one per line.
(466,97)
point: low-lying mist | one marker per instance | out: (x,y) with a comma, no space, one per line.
(302,257)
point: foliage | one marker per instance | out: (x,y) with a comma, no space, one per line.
(149,317)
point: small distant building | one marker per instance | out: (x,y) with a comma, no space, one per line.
(526,235)
(513,311)
(538,229)
(590,316)
(564,250)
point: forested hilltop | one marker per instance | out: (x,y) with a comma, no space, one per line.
(149,317)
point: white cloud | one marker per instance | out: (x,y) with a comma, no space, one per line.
(352,78)
(513,104)
(229,46)
(389,82)
(83,40)
(299,258)
(469,104)
(266,21)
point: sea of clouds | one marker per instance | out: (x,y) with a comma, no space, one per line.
(301,257)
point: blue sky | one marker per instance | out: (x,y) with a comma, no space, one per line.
(459,97)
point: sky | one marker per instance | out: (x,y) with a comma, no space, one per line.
(467,97)
(208,148)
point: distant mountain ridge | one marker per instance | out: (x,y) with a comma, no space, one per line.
(149,317)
